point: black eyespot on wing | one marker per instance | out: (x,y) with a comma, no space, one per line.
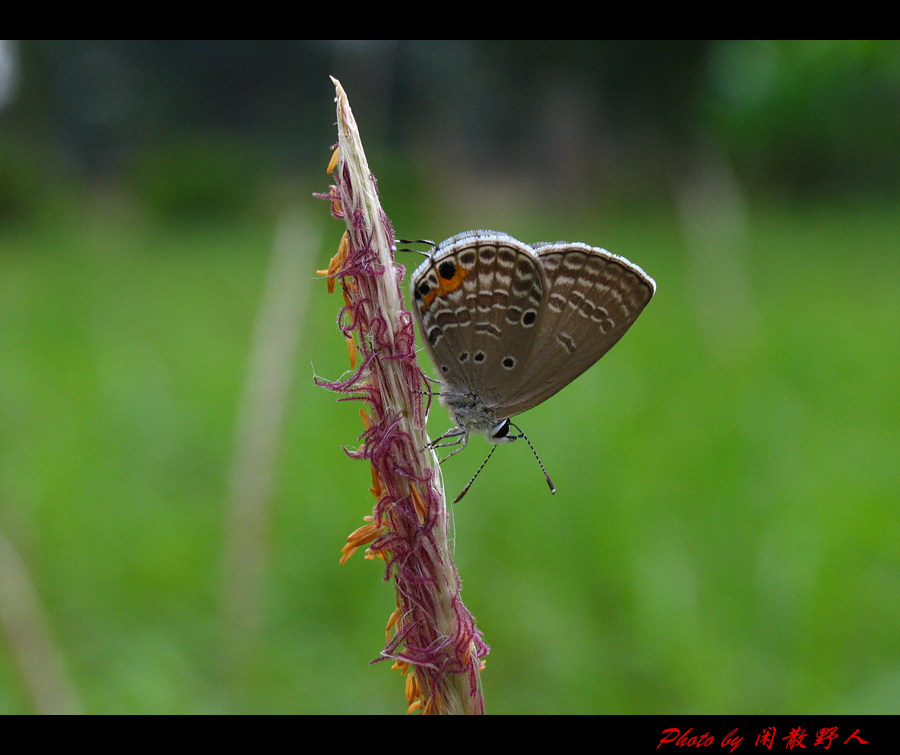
(447,269)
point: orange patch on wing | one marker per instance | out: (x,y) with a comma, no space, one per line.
(445,286)
(426,300)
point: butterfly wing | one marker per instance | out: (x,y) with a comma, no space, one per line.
(591,298)
(477,299)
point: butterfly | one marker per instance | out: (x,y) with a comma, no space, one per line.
(508,324)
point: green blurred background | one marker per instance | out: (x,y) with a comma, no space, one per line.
(173,490)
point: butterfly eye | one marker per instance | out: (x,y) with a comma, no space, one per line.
(501,429)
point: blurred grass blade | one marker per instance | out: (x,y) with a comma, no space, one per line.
(30,640)
(257,432)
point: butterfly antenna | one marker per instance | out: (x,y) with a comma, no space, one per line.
(429,242)
(469,483)
(540,463)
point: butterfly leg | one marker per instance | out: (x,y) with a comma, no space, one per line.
(459,437)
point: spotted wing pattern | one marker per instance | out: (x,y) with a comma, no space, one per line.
(478,300)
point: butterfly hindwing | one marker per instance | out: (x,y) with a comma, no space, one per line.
(477,299)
